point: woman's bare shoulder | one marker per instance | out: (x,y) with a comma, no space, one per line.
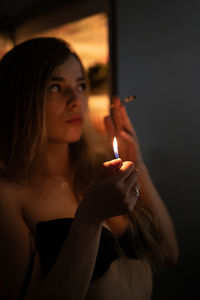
(8,186)
(10,195)
(15,240)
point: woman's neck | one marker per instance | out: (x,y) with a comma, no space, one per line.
(57,160)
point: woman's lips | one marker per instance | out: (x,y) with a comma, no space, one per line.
(75,120)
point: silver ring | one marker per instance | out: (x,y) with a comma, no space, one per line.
(137,194)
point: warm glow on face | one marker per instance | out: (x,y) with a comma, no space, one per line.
(115,147)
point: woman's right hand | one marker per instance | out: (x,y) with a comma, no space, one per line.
(112,192)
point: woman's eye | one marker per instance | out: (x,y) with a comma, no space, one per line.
(54,88)
(82,86)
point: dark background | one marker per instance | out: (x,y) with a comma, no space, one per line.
(159,61)
(156,53)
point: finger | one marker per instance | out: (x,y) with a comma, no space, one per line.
(125,170)
(132,203)
(109,168)
(120,115)
(127,132)
(128,137)
(136,189)
(125,119)
(110,128)
(131,180)
(134,196)
(116,114)
(113,163)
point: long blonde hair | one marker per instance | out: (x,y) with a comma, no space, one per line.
(24,74)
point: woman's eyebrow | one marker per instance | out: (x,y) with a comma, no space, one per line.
(57,78)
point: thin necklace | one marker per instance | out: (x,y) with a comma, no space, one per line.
(64,185)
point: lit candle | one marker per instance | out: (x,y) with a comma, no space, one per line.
(115,148)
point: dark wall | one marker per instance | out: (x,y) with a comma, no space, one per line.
(13,8)
(158,59)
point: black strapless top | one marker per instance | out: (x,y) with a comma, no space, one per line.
(50,239)
(52,234)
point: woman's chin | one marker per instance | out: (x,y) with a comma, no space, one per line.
(74,138)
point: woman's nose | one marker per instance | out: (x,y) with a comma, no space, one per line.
(74,100)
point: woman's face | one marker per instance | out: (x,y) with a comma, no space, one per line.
(66,102)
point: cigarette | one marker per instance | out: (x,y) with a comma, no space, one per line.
(125,100)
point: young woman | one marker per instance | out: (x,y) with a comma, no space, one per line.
(72,223)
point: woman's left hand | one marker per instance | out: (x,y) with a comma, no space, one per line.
(121,127)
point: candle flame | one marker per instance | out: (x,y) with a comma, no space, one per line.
(115,147)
